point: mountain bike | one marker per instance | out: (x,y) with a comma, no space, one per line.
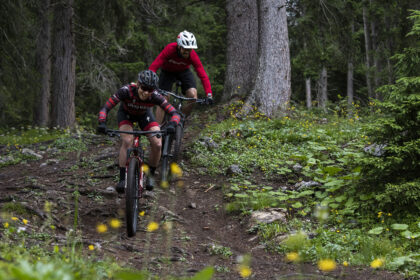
(171,144)
(135,176)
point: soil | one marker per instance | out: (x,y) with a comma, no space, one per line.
(202,234)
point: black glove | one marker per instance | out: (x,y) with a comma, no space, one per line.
(170,128)
(101,128)
(209,100)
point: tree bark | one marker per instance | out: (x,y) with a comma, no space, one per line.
(242,48)
(64,65)
(308,93)
(323,89)
(43,51)
(367,51)
(350,81)
(272,88)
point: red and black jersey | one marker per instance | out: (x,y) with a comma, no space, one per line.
(169,60)
(133,105)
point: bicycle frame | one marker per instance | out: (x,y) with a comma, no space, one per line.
(136,151)
(170,138)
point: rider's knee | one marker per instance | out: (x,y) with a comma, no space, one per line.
(126,141)
(191,93)
(156,145)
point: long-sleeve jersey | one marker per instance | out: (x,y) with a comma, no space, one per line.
(169,60)
(133,105)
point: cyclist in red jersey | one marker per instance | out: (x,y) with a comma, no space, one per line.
(174,61)
(137,101)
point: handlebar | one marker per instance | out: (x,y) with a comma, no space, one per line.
(157,133)
(166,93)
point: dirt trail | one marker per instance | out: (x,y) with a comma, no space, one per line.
(202,233)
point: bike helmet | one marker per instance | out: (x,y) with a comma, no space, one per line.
(149,79)
(186,40)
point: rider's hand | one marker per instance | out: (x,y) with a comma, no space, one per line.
(170,128)
(209,100)
(101,128)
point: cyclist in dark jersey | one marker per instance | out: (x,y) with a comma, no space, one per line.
(174,61)
(137,101)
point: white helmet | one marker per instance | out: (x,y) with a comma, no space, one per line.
(186,40)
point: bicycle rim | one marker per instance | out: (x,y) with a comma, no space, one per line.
(131,197)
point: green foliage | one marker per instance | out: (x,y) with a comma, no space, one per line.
(69,144)
(223,251)
(28,135)
(277,155)
(393,176)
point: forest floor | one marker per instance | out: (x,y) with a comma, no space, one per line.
(203,233)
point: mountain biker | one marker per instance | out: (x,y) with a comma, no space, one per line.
(137,101)
(174,61)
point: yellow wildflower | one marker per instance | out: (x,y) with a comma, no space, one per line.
(293,257)
(101,228)
(376,263)
(176,170)
(164,184)
(326,265)
(14,219)
(141,214)
(47,206)
(245,271)
(91,247)
(146,168)
(115,223)
(6,225)
(152,226)
(25,221)
(345,263)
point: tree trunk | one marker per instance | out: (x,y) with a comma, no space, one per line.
(376,55)
(323,89)
(272,88)
(308,93)
(367,51)
(43,51)
(350,93)
(64,66)
(242,47)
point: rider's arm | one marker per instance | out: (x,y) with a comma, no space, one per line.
(168,108)
(122,93)
(201,73)
(160,59)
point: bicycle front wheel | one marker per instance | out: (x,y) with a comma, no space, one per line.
(131,197)
(179,133)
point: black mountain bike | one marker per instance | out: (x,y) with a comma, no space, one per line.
(135,176)
(171,144)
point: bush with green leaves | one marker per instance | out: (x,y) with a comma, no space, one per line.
(393,173)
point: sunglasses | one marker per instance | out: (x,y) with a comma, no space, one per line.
(146,88)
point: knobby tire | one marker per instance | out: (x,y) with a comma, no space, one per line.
(179,132)
(165,160)
(131,197)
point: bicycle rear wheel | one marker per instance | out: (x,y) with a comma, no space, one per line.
(179,133)
(131,197)
(165,158)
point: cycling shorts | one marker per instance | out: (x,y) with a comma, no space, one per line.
(167,79)
(145,121)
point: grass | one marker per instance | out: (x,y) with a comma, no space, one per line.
(277,154)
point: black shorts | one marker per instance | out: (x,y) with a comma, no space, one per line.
(167,79)
(145,121)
